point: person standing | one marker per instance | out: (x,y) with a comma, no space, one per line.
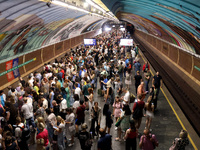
(96,117)
(51,96)
(137,67)
(70,125)
(128,78)
(181,142)
(157,82)
(108,114)
(84,136)
(148,141)
(138,80)
(80,112)
(149,106)
(147,77)
(27,110)
(105,142)
(138,111)
(130,136)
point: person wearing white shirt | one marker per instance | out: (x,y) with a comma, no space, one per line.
(77,90)
(126,97)
(27,110)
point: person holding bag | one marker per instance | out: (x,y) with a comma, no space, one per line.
(130,136)
(70,125)
(181,142)
(96,117)
(124,124)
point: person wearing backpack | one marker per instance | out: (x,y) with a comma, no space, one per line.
(128,78)
(21,135)
(85,138)
(138,111)
(120,71)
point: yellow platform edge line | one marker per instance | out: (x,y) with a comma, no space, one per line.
(191,141)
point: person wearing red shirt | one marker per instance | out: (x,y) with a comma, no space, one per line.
(80,112)
(42,137)
(138,105)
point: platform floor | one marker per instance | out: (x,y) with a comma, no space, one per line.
(165,125)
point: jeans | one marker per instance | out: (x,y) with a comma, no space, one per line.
(92,129)
(121,76)
(61,143)
(29,122)
(146,85)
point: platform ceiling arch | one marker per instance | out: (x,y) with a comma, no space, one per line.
(177,21)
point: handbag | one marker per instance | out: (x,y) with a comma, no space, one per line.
(175,143)
(71,128)
(117,124)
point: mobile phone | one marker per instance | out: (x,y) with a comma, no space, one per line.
(55,127)
(121,110)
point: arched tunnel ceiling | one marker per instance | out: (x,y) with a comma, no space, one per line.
(177,21)
(27,25)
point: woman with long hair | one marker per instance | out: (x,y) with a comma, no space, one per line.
(11,113)
(108,114)
(130,136)
(60,131)
(124,125)
(70,125)
(96,117)
(91,99)
(149,106)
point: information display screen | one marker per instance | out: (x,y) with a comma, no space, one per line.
(88,42)
(126,42)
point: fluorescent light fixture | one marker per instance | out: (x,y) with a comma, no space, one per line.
(121,26)
(56,2)
(94,9)
(85,4)
(122,29)
(113,26)
(95,5)
(107,29)
(99,11)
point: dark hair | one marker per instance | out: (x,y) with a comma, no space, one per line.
(76,97)
(132,124)
(127,110)
(69,110)
(105,109)
(81,102)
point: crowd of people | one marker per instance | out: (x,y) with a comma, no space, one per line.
(49,108)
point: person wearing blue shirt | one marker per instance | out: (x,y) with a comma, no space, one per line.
(105,142)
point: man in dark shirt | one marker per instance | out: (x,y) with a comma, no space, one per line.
(56,108)
(105,142)
(157,82)
(138,79)
(80,112)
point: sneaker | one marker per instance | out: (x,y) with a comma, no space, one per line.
(71,144)
(118,139)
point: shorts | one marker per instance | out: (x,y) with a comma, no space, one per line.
(79,121)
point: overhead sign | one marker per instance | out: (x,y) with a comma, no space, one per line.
(126,42)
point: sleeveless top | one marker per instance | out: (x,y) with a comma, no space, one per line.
(132,134)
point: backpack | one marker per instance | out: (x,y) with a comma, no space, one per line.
(146,68)
(132,98)
(138,113)
(120,70)
(26,133)
(89,141)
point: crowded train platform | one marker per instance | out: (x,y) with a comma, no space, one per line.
(100,97)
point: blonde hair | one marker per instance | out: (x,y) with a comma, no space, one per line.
(60,119)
